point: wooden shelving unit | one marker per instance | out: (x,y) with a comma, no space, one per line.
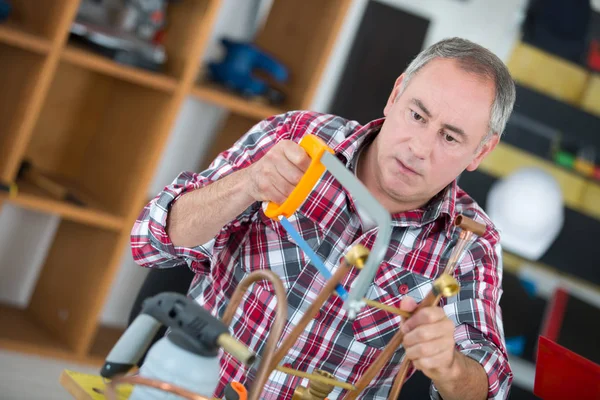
(103,126)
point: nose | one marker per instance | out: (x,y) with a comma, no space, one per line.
(421,145)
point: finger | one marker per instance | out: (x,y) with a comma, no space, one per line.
(428,332)
(440,360)
(273,186)
(426,315)
(277,194)
(296,155)
(408,304)
(282,185)
(289,171)
(429,349)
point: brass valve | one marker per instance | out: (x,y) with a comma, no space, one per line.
(357,256)
(316,390)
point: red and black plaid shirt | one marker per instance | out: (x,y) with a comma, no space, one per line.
(420,246)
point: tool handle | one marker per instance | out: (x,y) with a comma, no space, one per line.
(314,147)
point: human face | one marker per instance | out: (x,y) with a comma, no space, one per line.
(433,131)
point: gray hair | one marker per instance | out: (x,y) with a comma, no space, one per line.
(475,59)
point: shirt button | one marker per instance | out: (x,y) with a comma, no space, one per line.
(318,315)
(287,365)
(403,288)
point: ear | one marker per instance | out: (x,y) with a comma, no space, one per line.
(483,152)
(393,95)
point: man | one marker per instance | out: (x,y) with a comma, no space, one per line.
(446,112)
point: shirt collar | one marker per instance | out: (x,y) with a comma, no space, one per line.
(441,205)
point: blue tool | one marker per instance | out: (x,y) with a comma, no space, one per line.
(236,70)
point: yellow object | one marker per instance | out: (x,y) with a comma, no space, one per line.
(591,97)
(315,148)
(591,200)
(584,167)
(90,387)
(549,74)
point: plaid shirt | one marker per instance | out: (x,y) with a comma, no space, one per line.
(420,246)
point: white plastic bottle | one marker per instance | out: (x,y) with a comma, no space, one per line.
(170,362)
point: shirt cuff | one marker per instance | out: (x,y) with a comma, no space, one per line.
(496,368)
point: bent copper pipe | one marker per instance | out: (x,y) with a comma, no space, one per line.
(267,362)
(445,285)
(310,313)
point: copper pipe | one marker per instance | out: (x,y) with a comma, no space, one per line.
(467,224)
(457,251)
(399,380)
(469,228)
(111,388)
(387,352)
(310,313)
(385,307)
(316,377)
(445,285)
(268,361)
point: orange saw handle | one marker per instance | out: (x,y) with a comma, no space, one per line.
(314,147)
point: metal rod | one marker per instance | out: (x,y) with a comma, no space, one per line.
(315,377)
(385,307)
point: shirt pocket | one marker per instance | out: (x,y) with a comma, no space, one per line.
(375,327)
(269,246)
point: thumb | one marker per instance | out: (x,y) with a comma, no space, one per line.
(408,304)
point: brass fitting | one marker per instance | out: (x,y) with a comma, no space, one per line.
(315,390)
(446,286)
(357,256)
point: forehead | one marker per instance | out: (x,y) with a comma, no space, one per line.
(451,92)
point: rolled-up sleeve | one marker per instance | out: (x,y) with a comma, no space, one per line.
(476,313)
(150,242)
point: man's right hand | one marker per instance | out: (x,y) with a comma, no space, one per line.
(276,174)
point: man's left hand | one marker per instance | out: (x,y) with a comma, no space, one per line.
(429,341)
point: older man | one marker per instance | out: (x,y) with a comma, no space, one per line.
(445,113)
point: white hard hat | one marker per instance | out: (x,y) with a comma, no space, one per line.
(527,208)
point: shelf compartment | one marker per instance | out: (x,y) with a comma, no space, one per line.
(235,103)
(14,35)
(69,293)
(20,72)
(104,140)
(31,197)
(38,18)
(179,38)
(301,35)
(85,58)
(20,332)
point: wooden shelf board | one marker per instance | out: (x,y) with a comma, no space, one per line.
(84,58)
(506,159)
(237,104)
(33,198)
(14,35)
(21,333)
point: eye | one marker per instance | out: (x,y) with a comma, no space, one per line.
(416,116)
(449,138)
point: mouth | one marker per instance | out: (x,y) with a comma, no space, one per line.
(406,169)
